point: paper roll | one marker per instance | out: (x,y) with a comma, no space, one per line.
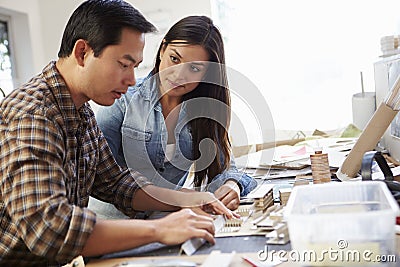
(367,141)
(363,105)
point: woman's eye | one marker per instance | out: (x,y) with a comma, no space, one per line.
(194,68)
(174,59)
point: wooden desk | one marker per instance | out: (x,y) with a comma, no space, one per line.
(199,259)
(243,245)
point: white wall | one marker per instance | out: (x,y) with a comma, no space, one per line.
(306,56)
(54,16)
(26,36)
(38,37)
(163,14)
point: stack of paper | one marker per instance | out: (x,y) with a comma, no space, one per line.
(390,45)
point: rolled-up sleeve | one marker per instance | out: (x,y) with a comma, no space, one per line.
(245,182)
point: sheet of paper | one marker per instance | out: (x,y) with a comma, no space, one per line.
(337,149)
(216,258)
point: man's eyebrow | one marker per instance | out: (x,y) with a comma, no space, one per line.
(130,58)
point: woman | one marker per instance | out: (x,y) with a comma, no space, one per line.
(178,116)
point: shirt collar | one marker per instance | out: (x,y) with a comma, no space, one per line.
(147,87)
(148,90)
(73,117)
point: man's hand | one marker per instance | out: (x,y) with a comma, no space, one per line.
(182,225)
(187,190)
(229,195)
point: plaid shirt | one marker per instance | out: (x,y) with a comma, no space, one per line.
(52,157)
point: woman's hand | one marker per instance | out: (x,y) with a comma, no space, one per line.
(152,197)
(207,203)
(229,194)
(204,209)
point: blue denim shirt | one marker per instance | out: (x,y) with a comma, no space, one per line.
(135,129)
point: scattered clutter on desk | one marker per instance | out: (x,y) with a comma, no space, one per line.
(292,165)
(291,161)
(320,169)
(267,261)
(279,236)
(264,221)
(192,245)
(284,194)
(390,45)
(216,258)
(245,211)
(262,217)
(262,198)
(232,225)
(366,172)
(157,262)
(302,180)
(282,173)
(259,200)
(390,160)
(259,216)
(272,224)
(250,261)
(261,204)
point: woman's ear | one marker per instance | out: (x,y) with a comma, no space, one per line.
(80,49)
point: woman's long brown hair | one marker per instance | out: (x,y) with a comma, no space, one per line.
(200,30)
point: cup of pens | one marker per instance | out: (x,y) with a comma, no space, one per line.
(363,106)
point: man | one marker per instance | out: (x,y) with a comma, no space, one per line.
(53,155)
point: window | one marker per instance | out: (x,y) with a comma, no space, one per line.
(6,81)
(306,56)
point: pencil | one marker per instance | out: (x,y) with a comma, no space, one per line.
(249,261)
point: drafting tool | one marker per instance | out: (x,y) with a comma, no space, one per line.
(192,245)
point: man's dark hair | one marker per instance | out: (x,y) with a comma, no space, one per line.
(100,23)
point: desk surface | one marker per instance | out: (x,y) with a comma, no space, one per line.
(198,259)
(247,244)
(239,244)
(242,245)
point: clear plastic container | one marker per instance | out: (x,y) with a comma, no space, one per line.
(342,224)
